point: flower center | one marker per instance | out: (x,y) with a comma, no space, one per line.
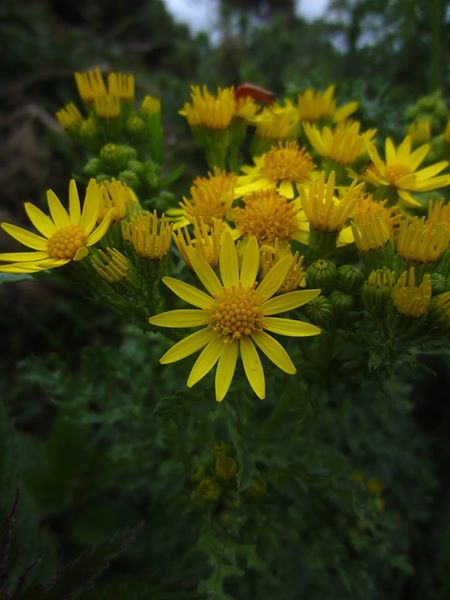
(236,312)
(287,162)
(395,172)
(65,242)
(268,216)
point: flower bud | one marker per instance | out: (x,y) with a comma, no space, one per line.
(136,130)
(349,278)
(440,283)
(257,488)
(93,167)
(115,157)
(209,489)
(225,468)
(319,310)
(89,133)
(321,274)
(341,302)
(377,290)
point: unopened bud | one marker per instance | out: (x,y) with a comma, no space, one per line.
(321,274)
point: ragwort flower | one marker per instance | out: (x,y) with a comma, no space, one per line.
(64,235)
(284,167)
(235,316)
(399,170)
(314,106)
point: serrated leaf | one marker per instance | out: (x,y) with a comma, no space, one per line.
(80,574)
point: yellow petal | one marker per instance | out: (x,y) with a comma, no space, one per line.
(290,327)
(274,351)
(59,214)
(33,267)
(179,318)
(188,293)
(74,203)
(417,156)
(250,262)
(25,237)
(206,361)
(204,272)
(40,220)
(285,302)
(253,367)
(187,346)
(225,369)
(390,151)
(286,189)
(90,208)
(100,231)
(274,278)
(228,261)
(23,256)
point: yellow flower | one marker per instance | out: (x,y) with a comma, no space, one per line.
(323,210)
(234,315)
(90,85)
(268,216)
(69,116)
(282,168)
(206,240)
(277,122)
(365,205)
(420,131)
(439,212)
(373,223)
(313,106)
(246,109)
(207,110)
(211,198)
(121,85)
(117,199)
(370,232)
(63,236)
(151,105)
(421,241)
(107,106)
(399,170)
(111,265)
(343,145)
(295,277)
(409,299)
(149,236)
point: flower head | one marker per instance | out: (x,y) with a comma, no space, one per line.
(149,236)
(117,199)
(409,299)
(121,85)
(283,167)
(63,236)
(208,110)
(90,85)
(235,316)
(151,105)
(268,216)
(211,198)
(399,170)
(206,241)
(421,241)
(111,265)
(314,106)
(323,210)
(277,122)
(370,232)
(69,117)
(420,131)
(343,145)
(295,276)
(107,106)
